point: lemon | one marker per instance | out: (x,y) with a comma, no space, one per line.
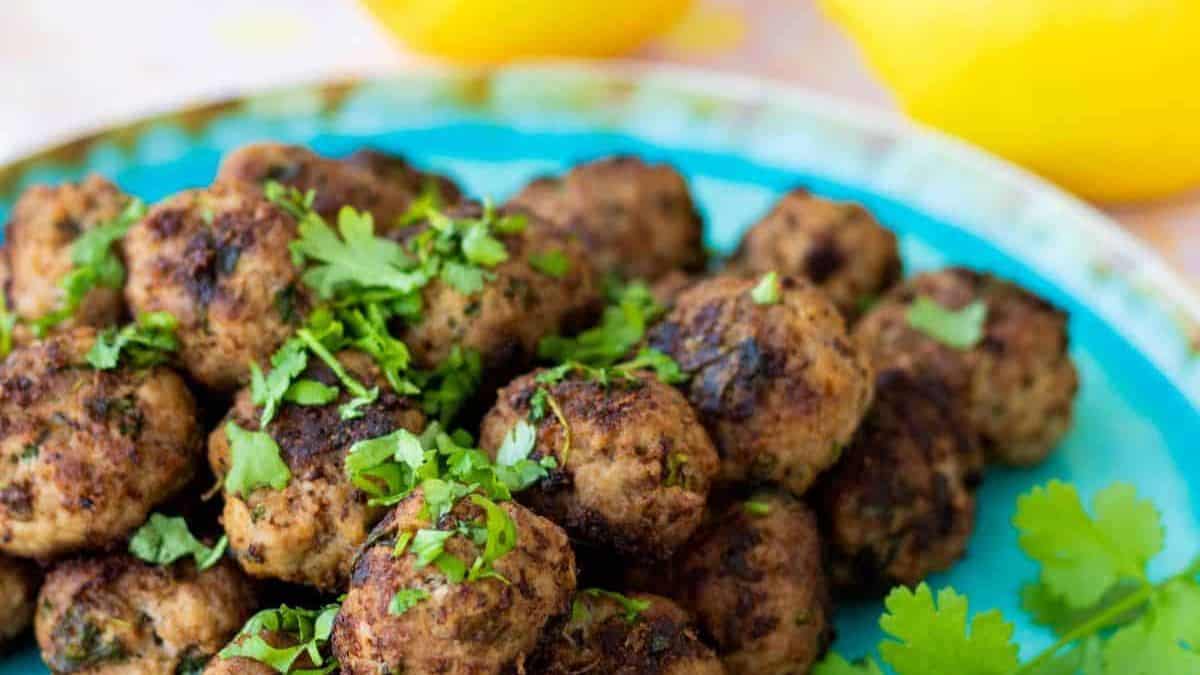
(491,31)
(1101,96)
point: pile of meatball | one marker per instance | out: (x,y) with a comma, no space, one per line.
(821,449)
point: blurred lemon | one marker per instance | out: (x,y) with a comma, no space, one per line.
(491,31)
(1101,96)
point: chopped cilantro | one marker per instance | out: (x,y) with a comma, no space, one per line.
(8,323)
(448,387)
(756,508)
(766,291)
(552,263)
(622,327)
(405,599)
(960,329)
(633,607)
(163,540)
(268,391)
(145,343)
(310,392)
(310,629)
(517,444)
(93,264)
(255,462)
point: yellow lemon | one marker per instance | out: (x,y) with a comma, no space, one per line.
(491,31)
(1101,96)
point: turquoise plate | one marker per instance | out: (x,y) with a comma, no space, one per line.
(1135,330)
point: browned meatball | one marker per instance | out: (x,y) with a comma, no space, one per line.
(516,308)
(900,504)
(471,627)
(309,531)
(218,260)
(636,472)
(669,287)
(640,634)
(779,385)
(86,454)
(397,172)
(754,580)
(369,181)
(1017,383)
(839,246)
(636,219)
(18,597)
(45,222)
(116,615)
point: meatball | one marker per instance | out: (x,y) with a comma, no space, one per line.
(45,222)
(900,504)
(309,531)
(369,181)
(86,454)
(18,597)
(478,627)
(218,260)
(636,219)
(603,635)
(116,614)
(669,287)
(779,385)
(636,470)
(516,308)
(753,578)
(839,246)
(1017,382)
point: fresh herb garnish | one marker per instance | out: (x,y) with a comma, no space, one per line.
(163,540)
(553,263)
(268,391)
(8,323)
(448,387)
(93,264)
(1094,587)
(622,327)
(633,607)
(147,342)
(310,392)
(960,329)
(308,628)
(405,599)
(757,508)
(766,291)
(255,462)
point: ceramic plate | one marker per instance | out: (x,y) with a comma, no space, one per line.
(1135,330)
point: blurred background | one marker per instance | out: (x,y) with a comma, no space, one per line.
(1099,96)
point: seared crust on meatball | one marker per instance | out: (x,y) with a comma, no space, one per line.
(85,454)
(839,246)
(45,222)
(115,614)
(669,287)
(18,597)
(780,386)
(218,260)
(756,585)
(472,627)
(309,531)
(900,504)
(601,638)
(1018,383)
(636,473)
(398,173)
(371,181)
(517,306)
(636,219)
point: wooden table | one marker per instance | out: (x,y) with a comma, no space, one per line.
(70,65)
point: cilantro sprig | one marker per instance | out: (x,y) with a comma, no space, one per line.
(94,264)
(631,310)
(960,329)
(1094,590)
(308,629)
(162,540)
(147,342)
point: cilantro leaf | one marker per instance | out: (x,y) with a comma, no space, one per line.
(960,329)
(163,540)
(145,343)
(665,368)
(633,607)
(622,327)
(481,248)
(756,508)
(310,392)
(501,538)
(8,323)
(517,444)
(270,390)
(405,599)
(448,387)
(553,263)
(93,264)
(1165,640)
(934,637)
(766,291)
(833,664)
(465,279)
(309,629)
(255,462)
(1083,558)
(427,545)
